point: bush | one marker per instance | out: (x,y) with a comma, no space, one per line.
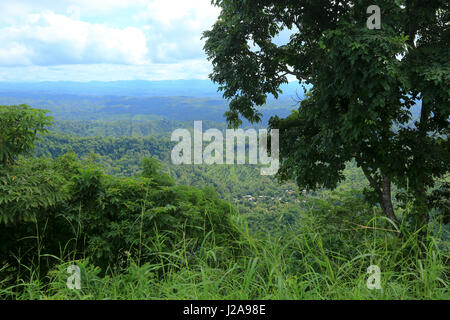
(47,213)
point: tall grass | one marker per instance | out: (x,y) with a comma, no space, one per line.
(309,262)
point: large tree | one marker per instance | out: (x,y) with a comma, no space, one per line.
(364,85)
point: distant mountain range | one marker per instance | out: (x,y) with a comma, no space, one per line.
(175,100)
(135,88)
(178,100)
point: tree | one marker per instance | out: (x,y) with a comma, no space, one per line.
(364,85)
(19,126)
(151,168)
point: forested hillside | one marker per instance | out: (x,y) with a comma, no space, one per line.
(105,196)
(120,146)
(225,150)
(137,100)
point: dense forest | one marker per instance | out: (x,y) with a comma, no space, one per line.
(141,227)
(353,101)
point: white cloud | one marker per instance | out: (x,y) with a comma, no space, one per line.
(20,7)
(175,28)
(189,69)
(196,14)
(162,37)
(50,39)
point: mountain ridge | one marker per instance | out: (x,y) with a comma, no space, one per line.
(188,88)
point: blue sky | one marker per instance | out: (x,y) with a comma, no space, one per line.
(104,40)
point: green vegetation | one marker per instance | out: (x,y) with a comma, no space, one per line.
(173,109)
(141,228)
(360,96)
(363,180)
(20,125)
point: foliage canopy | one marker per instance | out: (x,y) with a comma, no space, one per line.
(363,85)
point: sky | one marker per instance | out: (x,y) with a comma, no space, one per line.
(104,40)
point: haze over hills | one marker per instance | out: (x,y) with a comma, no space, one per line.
(135,88)
(174,100)
(177,100)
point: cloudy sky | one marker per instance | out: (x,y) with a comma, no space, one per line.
(85,40)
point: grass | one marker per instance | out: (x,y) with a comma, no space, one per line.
(312,261)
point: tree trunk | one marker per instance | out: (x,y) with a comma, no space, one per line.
(383,190)
(421,197)
(386,199)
